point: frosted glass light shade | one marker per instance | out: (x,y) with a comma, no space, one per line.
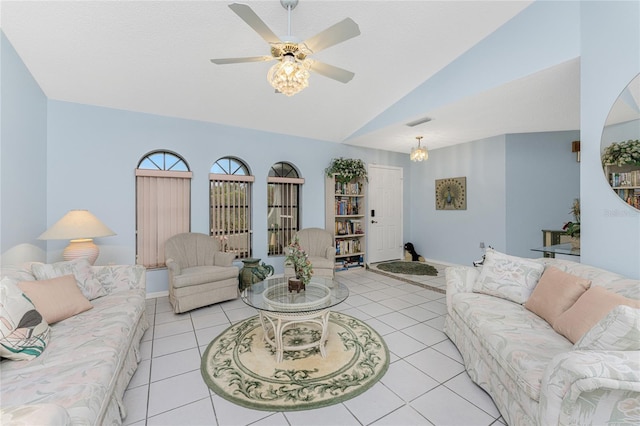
(289,76)
(419,154)
(79,226)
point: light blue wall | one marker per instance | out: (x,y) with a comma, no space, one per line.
(542,180)
(93,152)
(517,185)
(610,31)
(454,236)
(23,164)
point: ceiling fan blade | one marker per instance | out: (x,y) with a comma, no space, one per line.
(249,16)
(224,61)
(330,71)
(342,31)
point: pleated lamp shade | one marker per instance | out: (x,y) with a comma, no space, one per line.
(79,226)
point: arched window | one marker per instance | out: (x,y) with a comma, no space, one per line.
(163,204)
(230,199)
(283,206)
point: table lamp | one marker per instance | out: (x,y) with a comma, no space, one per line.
(79,226)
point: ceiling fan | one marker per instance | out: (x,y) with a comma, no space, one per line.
(291,73)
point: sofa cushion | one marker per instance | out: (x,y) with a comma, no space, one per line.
(509,277)
(80,268)
(203,274)
(556,292)
(24,333)
(618,331)
(519,341)
(588,310)
(56,299)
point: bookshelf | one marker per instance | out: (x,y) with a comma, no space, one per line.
(345,220)
(625,181)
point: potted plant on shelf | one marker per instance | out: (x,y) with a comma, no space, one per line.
(346,169)
(622,153)
(299,260)
(572,228)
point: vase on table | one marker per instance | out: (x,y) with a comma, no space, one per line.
(253,272)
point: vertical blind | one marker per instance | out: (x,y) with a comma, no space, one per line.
(163,209)
(231,212)
(283,214)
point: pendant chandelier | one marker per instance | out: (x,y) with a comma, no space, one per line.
(289,76)
(419,153)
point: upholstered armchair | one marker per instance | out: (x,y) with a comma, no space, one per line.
(318,244)
(199,273)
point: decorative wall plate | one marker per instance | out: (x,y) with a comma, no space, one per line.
(451,193)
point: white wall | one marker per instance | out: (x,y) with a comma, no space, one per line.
(610,47)
(23,166)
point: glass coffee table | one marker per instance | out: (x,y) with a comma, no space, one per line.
(280,309)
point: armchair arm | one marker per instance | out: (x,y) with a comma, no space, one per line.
(459,279)
(330,252)
(591,387)
(173,266)
(222,258)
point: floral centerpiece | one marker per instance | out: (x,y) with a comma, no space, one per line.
(621,153)
(572,228)
(347,169)
(298,258)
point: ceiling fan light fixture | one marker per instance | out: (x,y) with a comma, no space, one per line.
(419,153)
(289,76)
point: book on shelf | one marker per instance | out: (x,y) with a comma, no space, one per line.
(350,188)
(347,206)
(625,178)
(348,227)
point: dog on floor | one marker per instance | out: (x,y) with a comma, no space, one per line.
(410,254)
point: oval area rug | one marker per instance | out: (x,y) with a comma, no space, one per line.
(240,367)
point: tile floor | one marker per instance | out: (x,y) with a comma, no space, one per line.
(426,383)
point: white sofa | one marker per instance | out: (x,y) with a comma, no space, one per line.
(82,375)
(535,375)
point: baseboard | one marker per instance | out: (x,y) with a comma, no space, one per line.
(157,294)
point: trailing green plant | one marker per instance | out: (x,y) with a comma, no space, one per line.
(572,228)
(347,169)
(622,153)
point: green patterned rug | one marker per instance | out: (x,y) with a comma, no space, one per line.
(240,367)
(410,268)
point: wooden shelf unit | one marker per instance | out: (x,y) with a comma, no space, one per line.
(625,181)
(345,220)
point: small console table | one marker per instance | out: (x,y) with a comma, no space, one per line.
(552,250)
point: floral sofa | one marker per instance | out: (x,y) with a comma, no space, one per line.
(81,374)
(535,374)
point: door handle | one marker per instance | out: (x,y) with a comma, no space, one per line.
(374,221)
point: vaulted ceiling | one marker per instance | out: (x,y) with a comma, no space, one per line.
(153,57)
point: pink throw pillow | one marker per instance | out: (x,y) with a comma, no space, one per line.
(588,310)
(56,299)
(556,292)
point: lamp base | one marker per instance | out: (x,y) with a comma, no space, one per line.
(81,248)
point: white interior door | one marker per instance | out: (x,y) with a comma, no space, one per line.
(384,215)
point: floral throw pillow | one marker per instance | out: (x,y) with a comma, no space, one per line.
(509,277)
(79,268)
(24,334)
(619,331)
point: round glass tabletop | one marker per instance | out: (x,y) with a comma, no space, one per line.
(273,295)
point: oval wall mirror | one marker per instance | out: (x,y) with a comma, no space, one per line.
(620,145)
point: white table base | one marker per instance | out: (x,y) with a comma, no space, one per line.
(275,324)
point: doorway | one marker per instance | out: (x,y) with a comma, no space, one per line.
(384,240)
